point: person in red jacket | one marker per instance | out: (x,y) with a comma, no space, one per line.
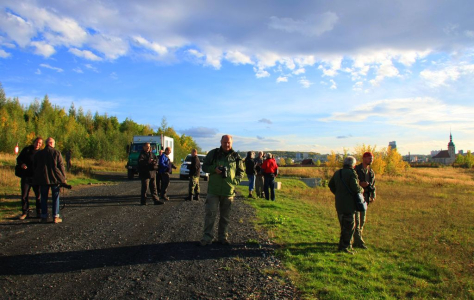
(270,171)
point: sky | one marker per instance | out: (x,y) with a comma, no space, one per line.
(276,75)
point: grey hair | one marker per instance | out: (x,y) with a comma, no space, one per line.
(269,155)
(350,161)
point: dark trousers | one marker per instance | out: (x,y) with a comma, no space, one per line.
(347,222)
(165,182)
(269,183)
(25,185)
(148,183)
(158,183)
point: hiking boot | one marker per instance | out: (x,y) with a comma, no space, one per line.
(166,198)
(224,242)
(23,216)
(196,197)
(57,220)
(204,243)
(361,246)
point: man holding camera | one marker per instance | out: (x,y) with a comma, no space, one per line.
(366,178)
(226,170)
(147,171)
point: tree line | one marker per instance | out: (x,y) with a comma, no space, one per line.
(95,136)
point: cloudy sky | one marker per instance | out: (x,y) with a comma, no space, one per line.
(277,75)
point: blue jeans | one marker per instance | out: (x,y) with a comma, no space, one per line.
(44,200)
(251,181)
(269,183)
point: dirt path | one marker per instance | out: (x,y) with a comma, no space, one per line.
(110,247)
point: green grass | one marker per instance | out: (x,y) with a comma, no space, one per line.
(420,241)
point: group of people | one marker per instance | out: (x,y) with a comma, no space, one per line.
(352,179)
(154,173)
(261,174)
(41,170)
(44,170)
(226,170)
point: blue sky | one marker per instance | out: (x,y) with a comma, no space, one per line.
(277,75)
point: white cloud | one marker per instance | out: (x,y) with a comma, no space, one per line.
(111,46)
(386,69)
(440,77)
(282,79)
(153,46)
(237,57)
(17,28)
(195,53)
(305,82)
(43,49)
(114,76)
(213,57)
(78,70)
(299,71)
(38,72)
(420,112)
(85,54)
(259,73)
(59,70)
(333,85)
(4,54)
(314,25)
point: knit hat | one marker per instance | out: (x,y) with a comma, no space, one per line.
(367,154)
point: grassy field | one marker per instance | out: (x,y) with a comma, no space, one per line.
(81,173)
(420,234)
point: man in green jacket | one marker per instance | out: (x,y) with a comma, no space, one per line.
(226,170)
(345,205)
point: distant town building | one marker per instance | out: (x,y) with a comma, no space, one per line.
(392,145)
(446,157)
(301,155)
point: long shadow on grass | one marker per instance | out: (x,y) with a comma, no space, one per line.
(62,262)
(306,248)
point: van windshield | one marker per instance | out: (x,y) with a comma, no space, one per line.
(139,147)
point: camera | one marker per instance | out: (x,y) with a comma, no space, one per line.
(223,170)
(65,185)
(370,188)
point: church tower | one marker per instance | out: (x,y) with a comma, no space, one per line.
(451,149)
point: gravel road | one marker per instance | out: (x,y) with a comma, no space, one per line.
(109,246)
